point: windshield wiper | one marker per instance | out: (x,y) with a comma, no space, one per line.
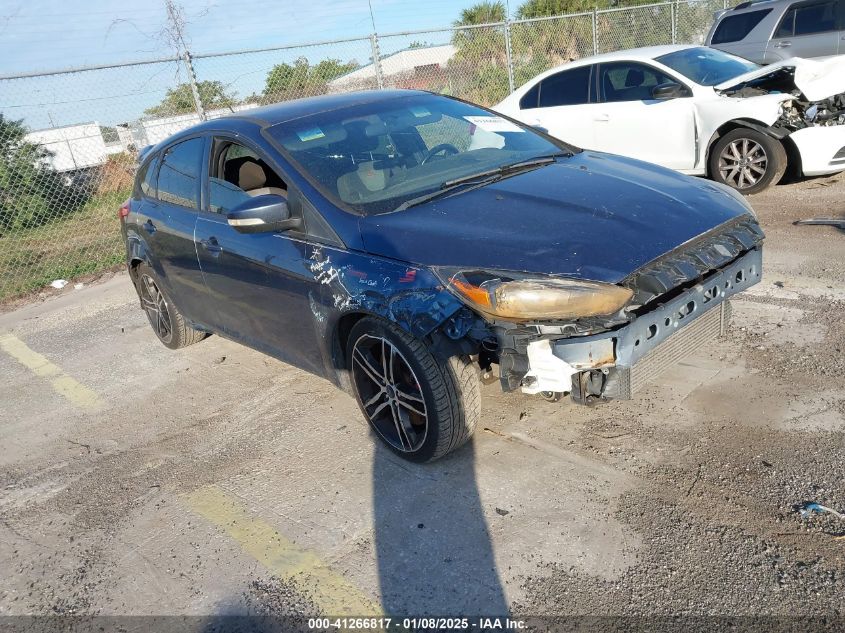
(482,178)
(470,182)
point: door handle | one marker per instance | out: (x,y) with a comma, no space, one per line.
(783,44)
(149,227)
(212,245)
(602,117)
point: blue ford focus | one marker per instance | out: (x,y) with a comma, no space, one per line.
(406,246)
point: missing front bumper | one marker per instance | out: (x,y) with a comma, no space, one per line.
(617,364)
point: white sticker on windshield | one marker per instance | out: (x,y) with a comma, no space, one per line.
(493,124)
(310,135)
(420,112)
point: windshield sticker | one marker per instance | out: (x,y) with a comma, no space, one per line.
(420,112)
(310,135)
(493,124)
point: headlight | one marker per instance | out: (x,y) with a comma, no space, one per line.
(523,297)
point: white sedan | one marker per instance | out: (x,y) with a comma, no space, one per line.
(697,110)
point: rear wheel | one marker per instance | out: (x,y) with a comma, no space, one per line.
(747,160)
(167,322)
(421,406)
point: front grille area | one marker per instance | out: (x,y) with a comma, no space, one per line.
(629,380)
(695,259)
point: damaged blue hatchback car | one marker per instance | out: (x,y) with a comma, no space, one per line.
(406,246)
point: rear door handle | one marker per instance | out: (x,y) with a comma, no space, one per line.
(602,117)
(149,227)
(212,245)
(783,44)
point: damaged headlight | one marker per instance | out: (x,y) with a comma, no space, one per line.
(523,297)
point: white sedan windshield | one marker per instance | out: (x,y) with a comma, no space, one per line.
(706,66)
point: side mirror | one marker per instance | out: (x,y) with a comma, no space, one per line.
(669,90)
(263,214)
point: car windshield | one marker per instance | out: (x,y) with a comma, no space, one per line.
(706,66)
(374,157)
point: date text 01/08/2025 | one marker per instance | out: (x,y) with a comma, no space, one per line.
(411,623)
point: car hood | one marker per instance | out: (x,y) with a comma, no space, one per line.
(594,216)
(816,79)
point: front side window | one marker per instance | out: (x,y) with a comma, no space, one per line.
(629,81)
(807,19)
(706,66)
(735,28)
(570,87)
(178,177)
(237,174)
(372,157)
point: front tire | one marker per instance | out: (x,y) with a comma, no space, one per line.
(167,322)
(421,406)
(747,160)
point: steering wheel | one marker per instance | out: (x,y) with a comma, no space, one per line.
(448,148)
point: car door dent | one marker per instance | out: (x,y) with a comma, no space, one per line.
(410,297)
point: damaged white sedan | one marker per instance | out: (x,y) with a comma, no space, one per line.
(696,110)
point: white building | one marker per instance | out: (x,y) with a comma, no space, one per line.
(402,67)
(74,147)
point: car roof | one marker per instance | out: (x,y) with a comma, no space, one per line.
(643,53)
(297,108)
(752,5)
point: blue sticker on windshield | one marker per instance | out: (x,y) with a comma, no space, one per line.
(310,135)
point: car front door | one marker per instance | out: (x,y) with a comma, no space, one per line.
(807,29)
(560,103)
(168,225)
(261,284)
(630,122)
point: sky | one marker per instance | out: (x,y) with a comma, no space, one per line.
(45,35)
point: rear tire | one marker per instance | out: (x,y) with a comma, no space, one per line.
(167,322)
(747,160)
(421,406)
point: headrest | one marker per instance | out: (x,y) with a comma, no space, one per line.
(634,78)
(251,176)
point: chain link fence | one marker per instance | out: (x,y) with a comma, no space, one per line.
(69,140)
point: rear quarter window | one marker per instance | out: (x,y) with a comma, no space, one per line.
(147,178)
(735,28)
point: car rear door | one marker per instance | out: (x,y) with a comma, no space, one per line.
(261,284)
(632,123)
(807,29)
(167,221)
(561,103)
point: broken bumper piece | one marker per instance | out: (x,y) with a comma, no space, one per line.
(617,364)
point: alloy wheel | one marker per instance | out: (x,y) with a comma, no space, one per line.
(742,163)
(155,305)
(389,393)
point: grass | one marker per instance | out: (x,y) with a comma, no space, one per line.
(84,242)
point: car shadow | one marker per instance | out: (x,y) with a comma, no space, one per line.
(433,547)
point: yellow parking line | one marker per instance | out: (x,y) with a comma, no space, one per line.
(77,393)
(331,592)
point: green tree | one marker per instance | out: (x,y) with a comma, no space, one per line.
(31,192)
(478,71)
(301,79)
(180,99)
(547,8)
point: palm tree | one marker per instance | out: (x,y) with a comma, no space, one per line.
(482,13)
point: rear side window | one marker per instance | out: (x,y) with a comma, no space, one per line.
(736,27)
(147,178)
(809,18)
(529,99)
(179,175)
(570,87)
